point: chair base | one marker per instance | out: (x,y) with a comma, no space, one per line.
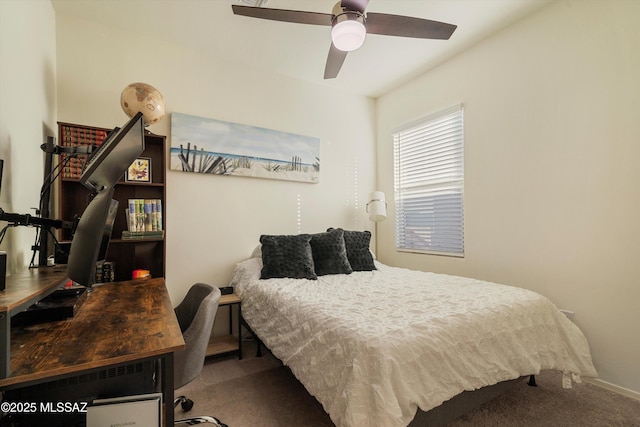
(186,404)
(200,420)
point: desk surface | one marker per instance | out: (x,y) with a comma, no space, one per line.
(29,284)
(118,323)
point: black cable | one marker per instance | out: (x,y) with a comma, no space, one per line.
(3,232)
(46,187)
(58,169)
(34,250)
(38,233)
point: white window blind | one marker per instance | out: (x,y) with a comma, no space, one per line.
(429,184)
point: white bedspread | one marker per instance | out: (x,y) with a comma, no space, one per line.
(372,347)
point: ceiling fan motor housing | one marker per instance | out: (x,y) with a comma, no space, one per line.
(347,29)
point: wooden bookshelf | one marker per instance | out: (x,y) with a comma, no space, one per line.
(73,197)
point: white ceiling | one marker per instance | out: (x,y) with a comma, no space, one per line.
(300,51)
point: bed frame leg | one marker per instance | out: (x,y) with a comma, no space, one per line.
(532,381)
(253,334)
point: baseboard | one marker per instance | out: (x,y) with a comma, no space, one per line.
(614,388)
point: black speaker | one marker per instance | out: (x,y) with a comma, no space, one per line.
(61,255)
(3,270)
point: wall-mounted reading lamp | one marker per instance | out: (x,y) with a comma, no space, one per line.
(377,206)
(377,210)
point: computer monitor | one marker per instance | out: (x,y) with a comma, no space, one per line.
(109,162)
(108,229)
(102,171)
(90,240)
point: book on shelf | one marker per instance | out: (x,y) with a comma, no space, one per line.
(105,272)
(132,235)
(140,274)
(74,136)
(144,215)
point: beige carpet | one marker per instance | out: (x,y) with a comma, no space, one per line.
(261,392)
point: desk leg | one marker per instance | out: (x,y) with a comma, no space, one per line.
(5,349)
(167,385)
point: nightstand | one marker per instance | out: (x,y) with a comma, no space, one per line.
(228,343)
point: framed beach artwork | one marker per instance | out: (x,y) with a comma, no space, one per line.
(203,145)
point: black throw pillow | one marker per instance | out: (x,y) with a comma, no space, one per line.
(329,253)
(287,256)
(358,253)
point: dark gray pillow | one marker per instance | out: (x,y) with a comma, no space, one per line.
(287,256)
(330,253)
(358,253)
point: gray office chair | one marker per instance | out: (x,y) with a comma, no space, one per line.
(196,315)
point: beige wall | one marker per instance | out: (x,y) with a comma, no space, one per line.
(215,221)
(552,185)
(27,113)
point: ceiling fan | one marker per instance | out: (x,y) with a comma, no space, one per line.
(349,25)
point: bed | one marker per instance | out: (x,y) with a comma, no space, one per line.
(374,346)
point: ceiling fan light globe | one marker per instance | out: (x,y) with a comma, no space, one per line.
(348,35)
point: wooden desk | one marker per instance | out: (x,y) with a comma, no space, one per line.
(118,324)
(23,289)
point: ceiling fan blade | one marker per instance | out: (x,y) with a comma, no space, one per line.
(296,16)
(359,5)
(407,26)
(334,62)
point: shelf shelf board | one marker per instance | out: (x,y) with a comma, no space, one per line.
(144,184)
(145,239)
(222,344)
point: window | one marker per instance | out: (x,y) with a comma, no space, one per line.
(429,182)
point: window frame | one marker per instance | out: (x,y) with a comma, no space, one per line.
(437,191)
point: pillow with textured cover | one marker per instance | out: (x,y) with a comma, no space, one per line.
(287,256)
(329,253)
(358,252)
